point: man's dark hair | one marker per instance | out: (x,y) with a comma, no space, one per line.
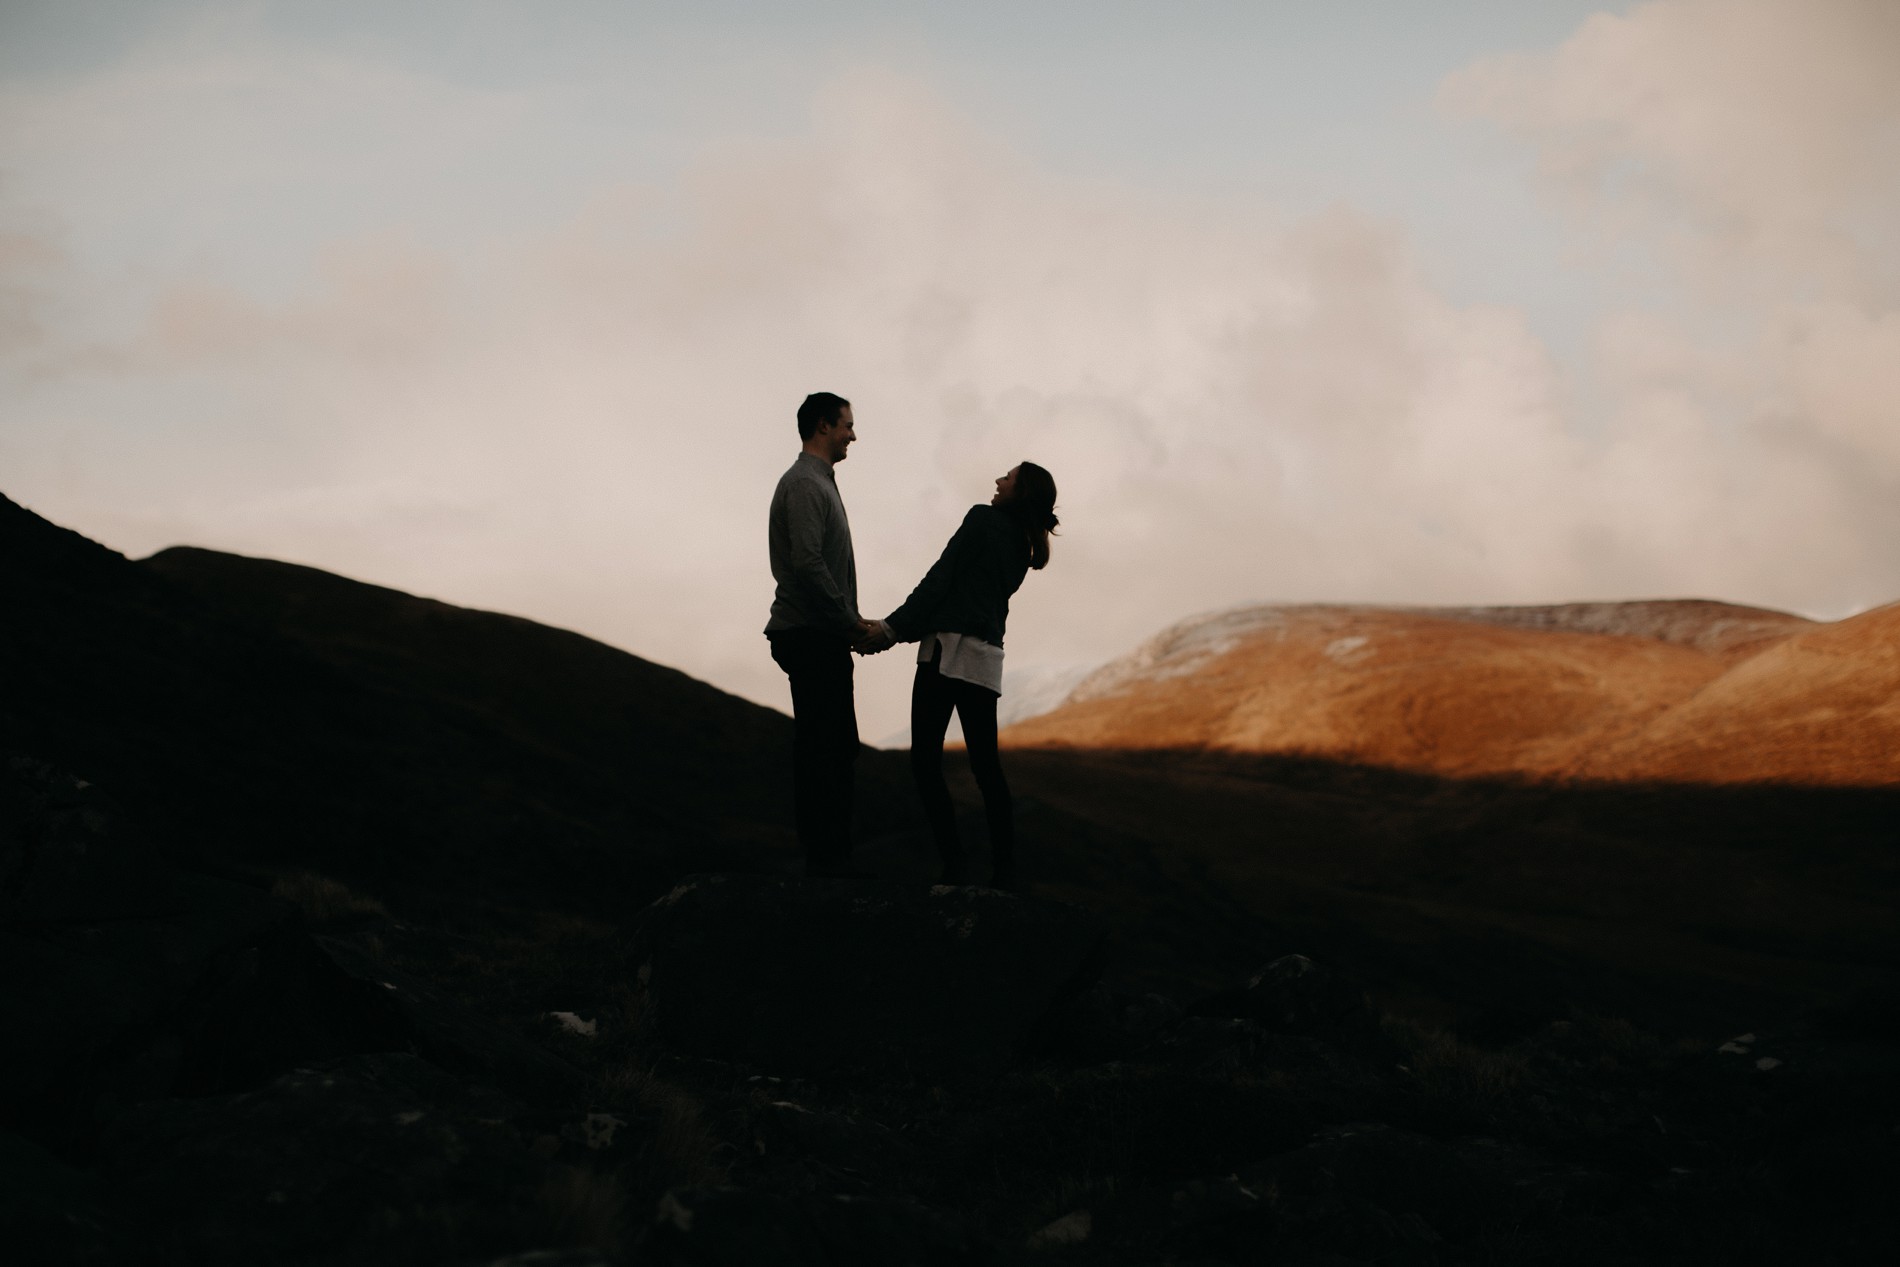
(821,409)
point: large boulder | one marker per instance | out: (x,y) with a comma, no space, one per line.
(807,974)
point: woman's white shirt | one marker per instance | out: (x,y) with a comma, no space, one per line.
(966,658)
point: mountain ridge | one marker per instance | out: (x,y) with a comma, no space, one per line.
(260,714)
(1562,691)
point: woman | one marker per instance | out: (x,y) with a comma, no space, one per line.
(957,614)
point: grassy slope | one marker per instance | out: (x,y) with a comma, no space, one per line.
(272,718)
(1679,905)
(1683,691)
(257,716)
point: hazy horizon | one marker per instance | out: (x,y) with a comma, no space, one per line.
(512,307)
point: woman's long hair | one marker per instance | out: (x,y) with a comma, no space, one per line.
(1033,503)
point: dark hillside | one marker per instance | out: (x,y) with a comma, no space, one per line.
(259,715)
(1489,905)
(525,988)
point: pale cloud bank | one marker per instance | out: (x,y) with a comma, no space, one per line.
(582,423)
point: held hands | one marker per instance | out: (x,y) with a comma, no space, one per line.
(872,637)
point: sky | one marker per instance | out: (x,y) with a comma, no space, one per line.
(512,304)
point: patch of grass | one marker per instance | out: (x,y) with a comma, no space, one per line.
(682,1149)
(327,904)
(1068,1194)
(1456,1079)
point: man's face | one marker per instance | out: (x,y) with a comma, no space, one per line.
(838,436)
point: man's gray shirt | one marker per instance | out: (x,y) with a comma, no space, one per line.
(812,562)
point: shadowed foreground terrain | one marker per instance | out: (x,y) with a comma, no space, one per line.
(343,926)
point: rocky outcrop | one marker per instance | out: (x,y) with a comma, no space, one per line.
(813,973)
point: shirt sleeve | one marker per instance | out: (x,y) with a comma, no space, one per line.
(907,621)
(806,510)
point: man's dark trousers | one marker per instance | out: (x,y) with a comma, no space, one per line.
(824,741)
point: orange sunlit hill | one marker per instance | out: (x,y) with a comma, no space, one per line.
(1686,690)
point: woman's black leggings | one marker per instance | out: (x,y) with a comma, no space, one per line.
(932,696)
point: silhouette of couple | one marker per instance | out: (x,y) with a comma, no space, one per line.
(956,615)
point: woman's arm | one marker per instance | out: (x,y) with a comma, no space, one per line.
(906,623)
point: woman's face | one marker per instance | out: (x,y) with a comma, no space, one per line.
(1005,487)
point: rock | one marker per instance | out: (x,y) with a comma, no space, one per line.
(447,1034)
(1295,995)
(818,1149)
(379,1158)
(574,1023)
(717,1227)
(815,973)
(1072,1228)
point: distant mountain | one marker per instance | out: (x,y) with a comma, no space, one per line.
(258,714)
(1821,705)
(1682,689)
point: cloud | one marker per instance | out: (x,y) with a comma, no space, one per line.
(582,422)
(1750,134)
(1748,153)
(28,261)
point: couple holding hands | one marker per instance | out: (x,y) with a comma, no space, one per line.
(956,615)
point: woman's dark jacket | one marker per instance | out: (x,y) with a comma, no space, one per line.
(967,590)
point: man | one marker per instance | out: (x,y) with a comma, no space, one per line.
(814,627)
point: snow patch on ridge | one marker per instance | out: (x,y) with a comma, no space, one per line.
(1182,649)
(1191,645)
(1353,650)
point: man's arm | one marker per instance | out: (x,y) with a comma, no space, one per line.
(806,510)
